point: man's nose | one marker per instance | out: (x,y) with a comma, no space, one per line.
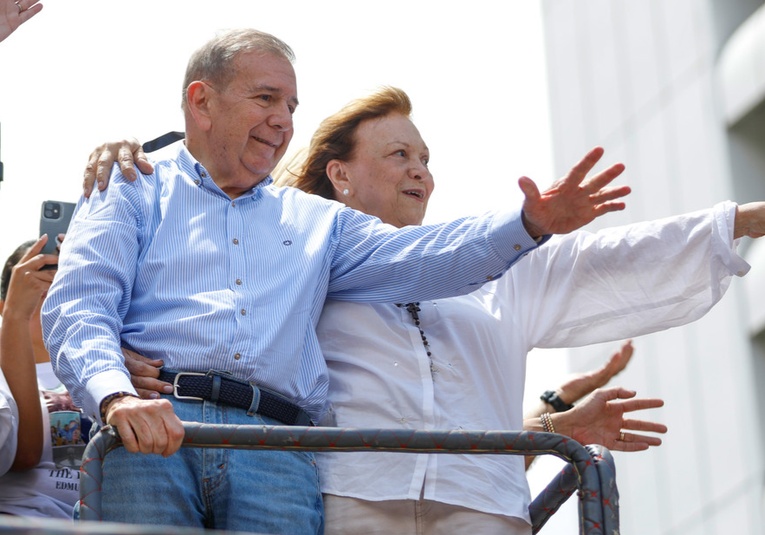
(281,118)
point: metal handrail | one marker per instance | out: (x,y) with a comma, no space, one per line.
(590,469)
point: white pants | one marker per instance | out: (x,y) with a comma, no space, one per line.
(350,516)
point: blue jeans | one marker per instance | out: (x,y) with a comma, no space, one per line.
(258,491)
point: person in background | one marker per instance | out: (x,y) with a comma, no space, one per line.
(42,480)
(223,276)
(9,424)
(14,13)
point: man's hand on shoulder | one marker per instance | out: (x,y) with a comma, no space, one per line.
(146,426)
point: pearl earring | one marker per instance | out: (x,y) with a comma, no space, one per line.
(346,191)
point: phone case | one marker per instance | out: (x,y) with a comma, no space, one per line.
(54,220)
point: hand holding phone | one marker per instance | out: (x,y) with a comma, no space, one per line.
(54,220)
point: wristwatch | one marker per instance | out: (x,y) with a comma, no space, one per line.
(551,398)
(111,397)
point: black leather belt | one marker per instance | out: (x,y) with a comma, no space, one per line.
(215,387)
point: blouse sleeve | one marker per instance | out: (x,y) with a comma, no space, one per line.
(586,288)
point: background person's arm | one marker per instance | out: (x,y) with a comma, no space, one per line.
(580,385)
(14,13)
(17,359)
(9,421)
(601,418)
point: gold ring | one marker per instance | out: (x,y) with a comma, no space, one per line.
(621,436)
(18,5)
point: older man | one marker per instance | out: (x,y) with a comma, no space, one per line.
(206,265)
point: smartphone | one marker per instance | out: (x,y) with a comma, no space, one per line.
(54,220)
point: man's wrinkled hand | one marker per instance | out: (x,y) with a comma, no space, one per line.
(146,426)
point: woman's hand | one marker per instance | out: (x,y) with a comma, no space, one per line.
(600,418)
(144,373)
(127,152)
(573,201)
(582,384)
(29,282)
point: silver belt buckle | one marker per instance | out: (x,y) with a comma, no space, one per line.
(176,385)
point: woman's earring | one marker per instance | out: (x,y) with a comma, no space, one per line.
(346,192)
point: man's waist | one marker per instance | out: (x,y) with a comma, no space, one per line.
(217,387)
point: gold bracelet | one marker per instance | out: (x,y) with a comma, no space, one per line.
(547,423)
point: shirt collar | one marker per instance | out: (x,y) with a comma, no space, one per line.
(202,178)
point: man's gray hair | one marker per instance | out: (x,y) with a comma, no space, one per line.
(214,60)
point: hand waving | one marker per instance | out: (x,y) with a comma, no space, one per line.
(574,200)
(582,384)
(15,13)
(600,419)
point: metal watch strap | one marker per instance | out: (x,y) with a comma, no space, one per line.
(551,398)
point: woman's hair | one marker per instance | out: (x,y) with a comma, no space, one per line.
(16,255)
(335,139)
(214,61)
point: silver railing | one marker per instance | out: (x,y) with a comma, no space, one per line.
(589,470)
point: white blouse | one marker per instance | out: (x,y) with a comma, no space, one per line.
(577,289)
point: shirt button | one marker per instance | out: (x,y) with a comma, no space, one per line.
(233,203)
(489,278)
(235,241)
(237,356)
(243,312)
(517,247)
(197,182)
(238,282)
(203,174)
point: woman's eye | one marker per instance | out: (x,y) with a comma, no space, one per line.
(401,153)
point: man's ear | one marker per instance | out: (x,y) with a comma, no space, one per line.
(198,96)
(336,173)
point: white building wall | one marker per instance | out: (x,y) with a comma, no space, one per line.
(640,78)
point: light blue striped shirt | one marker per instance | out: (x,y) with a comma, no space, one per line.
(173,268)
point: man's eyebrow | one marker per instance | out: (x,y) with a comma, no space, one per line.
(272,89)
